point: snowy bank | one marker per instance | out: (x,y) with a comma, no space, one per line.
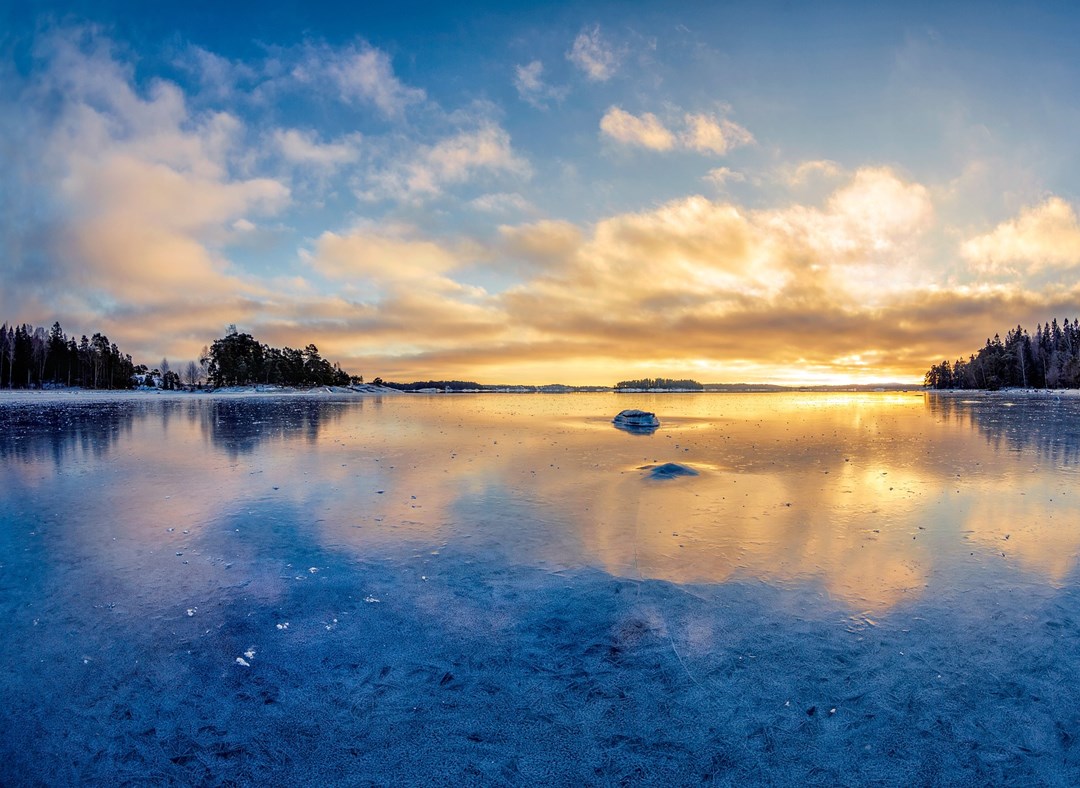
(30,396)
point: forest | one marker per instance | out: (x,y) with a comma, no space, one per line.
(35,358)
(1048,358)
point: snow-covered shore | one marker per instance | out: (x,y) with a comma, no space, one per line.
(1007,393)
(27,396)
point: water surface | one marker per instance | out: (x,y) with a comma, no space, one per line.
(492,589)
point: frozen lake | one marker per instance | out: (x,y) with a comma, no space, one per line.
(491,590)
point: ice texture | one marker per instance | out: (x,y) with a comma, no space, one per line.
(857,589)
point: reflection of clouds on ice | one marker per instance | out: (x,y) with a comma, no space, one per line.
(857,493)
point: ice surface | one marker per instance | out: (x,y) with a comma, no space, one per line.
(866,589)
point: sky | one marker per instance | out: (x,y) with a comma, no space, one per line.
(577,193)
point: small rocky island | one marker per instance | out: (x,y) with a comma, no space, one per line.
(638,421)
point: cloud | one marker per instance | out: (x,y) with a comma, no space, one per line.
(425,170)
(218,76)
(807,170)
(501,203)
(878,210)
(529,81)
(387,255)
(718,176)
(362,74)
(300,147)
(548,242)
(1043,236)
(709,134)
(406,295)
(527,78)
(683,283)
(701,133)
(593,55)
(645,131)
(141,193)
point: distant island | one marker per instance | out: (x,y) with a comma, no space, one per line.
(472,387)
(1047,359)
(658,384)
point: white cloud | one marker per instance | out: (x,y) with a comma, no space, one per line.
(362,74)
(880,206)
(1043,236)
(529,81)
(528,78)
(718,176)
(424,171)
(218,76)
(871,218)
(593,55)
(501,203)
(300,147)
(709,134)
(645,131)
(818,168)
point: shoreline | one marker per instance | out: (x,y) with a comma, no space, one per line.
(1000,393)
(19,396)
(364,391)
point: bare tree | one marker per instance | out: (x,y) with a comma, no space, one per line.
(191,374)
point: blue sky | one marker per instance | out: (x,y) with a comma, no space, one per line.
(565,192)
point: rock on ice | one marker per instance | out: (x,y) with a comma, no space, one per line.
(636,421)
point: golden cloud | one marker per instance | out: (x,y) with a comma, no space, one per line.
(644,131)
(709,134)
(1043,236)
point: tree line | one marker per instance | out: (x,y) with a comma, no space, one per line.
(38,358)
(239,359)
(1048,358)
(35,357)
(659,383)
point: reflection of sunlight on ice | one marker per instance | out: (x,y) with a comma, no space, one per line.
(1037,525)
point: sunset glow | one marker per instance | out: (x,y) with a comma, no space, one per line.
(575,194)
